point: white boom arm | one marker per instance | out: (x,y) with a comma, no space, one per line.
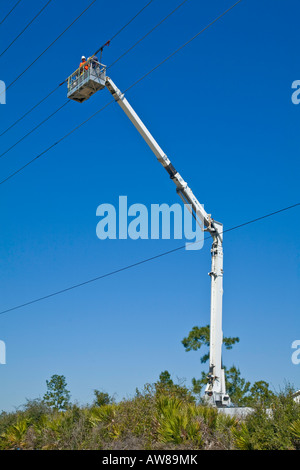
(215,390)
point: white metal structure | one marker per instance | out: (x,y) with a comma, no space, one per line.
(86,80)
(296,396)
(215,391)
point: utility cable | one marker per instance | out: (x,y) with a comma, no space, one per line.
(147,34)
(30,110)
(147,260)
(34,129)
(2,21)
(184,45)
(47,96)
(131,86)
(123,27)
(26,27)
(45,120)
(55,143)
(50,45)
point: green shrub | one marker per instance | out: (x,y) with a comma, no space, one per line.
(177,421)
(159,417)
(14,436)
(273,428)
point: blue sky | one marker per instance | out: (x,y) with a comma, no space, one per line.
(221,109)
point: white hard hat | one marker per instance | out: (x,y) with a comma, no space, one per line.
(83,57)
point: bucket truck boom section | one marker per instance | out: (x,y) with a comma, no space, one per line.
(181,186)
(215,390)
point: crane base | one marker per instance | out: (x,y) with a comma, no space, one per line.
(219,400)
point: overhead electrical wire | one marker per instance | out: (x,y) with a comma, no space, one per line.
(120,57)
(56,143)
(147,260)
(2,21)
(123,27)
(183,46)
(50,45)
(56,88)
(147,34)
(26,27)
(112,101)
(30,110)
(131,20)
(34,129)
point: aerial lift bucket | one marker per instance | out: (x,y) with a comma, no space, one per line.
(86,81)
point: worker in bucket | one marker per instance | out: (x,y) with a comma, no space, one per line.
(95,62)
(83,61)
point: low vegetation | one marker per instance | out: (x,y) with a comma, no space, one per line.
(161,416)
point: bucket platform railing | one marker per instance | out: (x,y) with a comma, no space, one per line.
(86,80)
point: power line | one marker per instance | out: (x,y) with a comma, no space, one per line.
(50,45)
(47,96)
(131,86)
(147,260)
(184,45)
(26,27)
(2,21)
(123,27)
(53,42)
(55,143)
(34,129)
(132,19)
(146,35)
(31,109)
